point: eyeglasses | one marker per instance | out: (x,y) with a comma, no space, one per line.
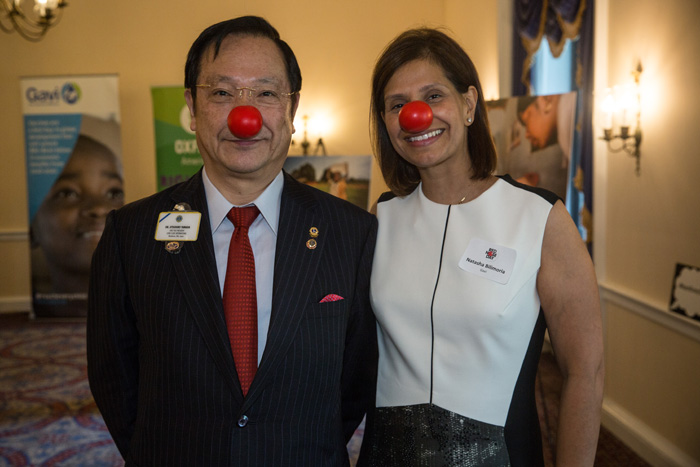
(223,94)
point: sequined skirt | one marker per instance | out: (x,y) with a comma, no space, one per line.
(428,435)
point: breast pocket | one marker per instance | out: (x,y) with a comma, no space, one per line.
(328,310)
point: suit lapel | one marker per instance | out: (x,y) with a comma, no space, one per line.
(295,270)
(195,267)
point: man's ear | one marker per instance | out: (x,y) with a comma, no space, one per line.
(190,105)
(295,106)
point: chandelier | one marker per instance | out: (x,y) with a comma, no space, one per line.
(30,18)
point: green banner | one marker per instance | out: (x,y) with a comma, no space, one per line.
(177,156)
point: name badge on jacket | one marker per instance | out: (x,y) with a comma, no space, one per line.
(178,226)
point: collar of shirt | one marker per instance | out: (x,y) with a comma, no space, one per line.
(268,202)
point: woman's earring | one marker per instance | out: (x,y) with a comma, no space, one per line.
(469,120)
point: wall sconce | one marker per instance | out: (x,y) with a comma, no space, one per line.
(625,102)
(30,18)
(306,144)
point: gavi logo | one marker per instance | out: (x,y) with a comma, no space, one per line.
(70,94)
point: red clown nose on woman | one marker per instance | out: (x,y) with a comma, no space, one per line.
(415,117)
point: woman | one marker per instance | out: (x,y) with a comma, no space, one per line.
(468,269)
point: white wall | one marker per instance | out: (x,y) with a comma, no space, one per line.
(646,224)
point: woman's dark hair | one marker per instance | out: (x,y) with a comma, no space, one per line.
(242,26)
(435,46)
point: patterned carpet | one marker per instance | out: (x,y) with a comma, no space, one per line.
(47,413)
(48,416)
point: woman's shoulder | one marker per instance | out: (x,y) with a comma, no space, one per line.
(545,194)
(386,196)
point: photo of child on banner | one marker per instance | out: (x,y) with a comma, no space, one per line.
(534,138)
(67,224)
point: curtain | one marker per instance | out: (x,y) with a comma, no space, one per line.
(553,20)
(557,21)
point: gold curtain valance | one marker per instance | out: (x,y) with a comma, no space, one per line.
(557,20)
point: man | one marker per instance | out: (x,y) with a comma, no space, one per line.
(161,340)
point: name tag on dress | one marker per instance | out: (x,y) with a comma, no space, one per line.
(178,226)
(488,260)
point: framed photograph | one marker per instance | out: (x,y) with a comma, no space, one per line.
(685,294)
(347,177)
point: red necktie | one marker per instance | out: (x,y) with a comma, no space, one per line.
(240,301)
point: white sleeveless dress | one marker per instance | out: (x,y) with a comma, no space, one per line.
(460,329)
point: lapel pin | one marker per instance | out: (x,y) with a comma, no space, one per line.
(173,247)
(311,244)
(313,231)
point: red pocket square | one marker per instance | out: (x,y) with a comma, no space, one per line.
(331,298)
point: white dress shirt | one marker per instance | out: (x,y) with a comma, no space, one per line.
(263,239)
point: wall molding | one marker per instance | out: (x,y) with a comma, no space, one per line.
(12,304)
(656,312)
(16,304)
(647,443)
(14,235)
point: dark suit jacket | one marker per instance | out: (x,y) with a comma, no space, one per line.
(159,360)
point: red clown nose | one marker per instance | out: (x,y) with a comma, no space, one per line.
(244,121)
(415,116)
